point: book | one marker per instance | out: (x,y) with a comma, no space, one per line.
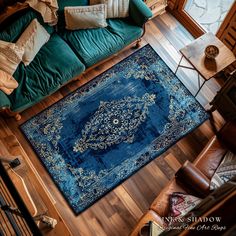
(155,229)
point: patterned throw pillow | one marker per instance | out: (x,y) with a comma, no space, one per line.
(85,17)
(181,204)
(115,8)
(10,56)
(7,82)
(225,171)
(32,39)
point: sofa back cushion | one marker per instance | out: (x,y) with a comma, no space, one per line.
(15,28)
(67,3)
(84,17)
(115,8)
(70,3)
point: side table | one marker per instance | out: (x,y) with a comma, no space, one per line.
(206,68)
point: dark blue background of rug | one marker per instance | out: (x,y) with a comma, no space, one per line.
(145,110)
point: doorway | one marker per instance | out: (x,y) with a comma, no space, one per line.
(208,14)
(201,16)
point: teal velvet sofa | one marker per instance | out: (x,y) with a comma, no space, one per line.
(67,54)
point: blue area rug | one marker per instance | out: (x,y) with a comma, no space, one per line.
(102,133)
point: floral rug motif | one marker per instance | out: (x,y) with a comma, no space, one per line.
(99,135)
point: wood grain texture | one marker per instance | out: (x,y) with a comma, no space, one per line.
(227,34)
(208,68)
(117,212)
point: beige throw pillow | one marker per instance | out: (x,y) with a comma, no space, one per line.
(32,39)
(115,8)
(84,17)
(7,82)
(10,56)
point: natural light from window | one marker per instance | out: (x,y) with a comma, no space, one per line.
(209,14)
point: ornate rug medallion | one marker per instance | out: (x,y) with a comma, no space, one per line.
(99,135)
(114,122)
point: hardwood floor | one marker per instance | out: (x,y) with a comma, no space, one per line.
(117,212)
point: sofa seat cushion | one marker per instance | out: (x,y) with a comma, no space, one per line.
(53,66)
(125,29)
(94,45)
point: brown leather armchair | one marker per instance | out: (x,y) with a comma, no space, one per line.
(193,178)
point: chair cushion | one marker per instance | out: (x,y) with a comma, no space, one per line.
(53,66)
(94,45)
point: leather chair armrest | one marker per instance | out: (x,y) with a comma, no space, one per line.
(210,157)
(139,12)
(192,178)
(149,216)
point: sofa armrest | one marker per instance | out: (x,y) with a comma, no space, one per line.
(4,101)
(192,178)
(139,12)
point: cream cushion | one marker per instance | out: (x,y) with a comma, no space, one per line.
(115,8)
(7,82)
(84,17)
(47,8)
(32,39)
(10,56)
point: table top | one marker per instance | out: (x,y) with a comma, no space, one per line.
(207,68)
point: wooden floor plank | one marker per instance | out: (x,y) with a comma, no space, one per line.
(128,202)
(173,36)
(173,162)
(137,194)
